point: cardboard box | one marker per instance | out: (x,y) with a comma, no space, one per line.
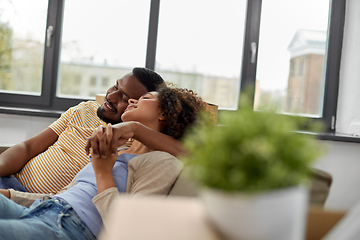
(320,222)
(100,98)
(213,109)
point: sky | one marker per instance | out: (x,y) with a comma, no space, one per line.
(27,18)
(194,35)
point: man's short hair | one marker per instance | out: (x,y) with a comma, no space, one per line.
(150,79)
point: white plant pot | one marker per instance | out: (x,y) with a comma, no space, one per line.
(274,215)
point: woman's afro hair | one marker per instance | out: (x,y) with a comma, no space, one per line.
(181,107)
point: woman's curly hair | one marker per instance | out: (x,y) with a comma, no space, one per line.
(181,107)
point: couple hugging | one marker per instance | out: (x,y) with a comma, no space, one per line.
(45,198)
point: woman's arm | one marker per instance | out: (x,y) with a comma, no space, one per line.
(104,164)
(123,131)
(149,173)
(5,192)
(163,142)
(26,199)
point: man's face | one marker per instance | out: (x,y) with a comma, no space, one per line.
(116,99)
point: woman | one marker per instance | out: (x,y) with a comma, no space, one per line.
(77,212)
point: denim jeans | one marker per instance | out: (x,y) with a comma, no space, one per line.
(45,219)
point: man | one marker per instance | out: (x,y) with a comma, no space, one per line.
(50,160)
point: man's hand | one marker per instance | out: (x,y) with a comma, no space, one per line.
(5,192)
(121,133)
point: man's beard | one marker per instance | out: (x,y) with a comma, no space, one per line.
(100,112)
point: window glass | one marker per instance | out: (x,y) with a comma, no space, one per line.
(200,45)
(100,40)
(22,34)
(291,56)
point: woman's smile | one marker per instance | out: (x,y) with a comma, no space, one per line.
(131,106)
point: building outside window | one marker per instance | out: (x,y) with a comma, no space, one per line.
(291,55)
(307,48)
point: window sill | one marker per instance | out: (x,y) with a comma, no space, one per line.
(31,112)
(339,137)
(56,114)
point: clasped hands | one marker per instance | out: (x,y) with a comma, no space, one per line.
(104,142)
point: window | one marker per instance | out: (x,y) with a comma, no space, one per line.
(52,59)
(92,81)
(201,47)
(105,82)
(54,74)
(109,39)
(21,46)
(22,34)
(291,62)
(302,35)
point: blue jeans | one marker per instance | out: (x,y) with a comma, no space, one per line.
(45,219)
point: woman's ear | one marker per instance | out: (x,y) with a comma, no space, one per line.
(162,116)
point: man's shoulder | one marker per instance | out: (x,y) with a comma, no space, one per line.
(91,104)
(85,113)
(85,107)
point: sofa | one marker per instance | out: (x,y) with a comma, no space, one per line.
(319,189)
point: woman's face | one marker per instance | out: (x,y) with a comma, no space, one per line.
(145,110)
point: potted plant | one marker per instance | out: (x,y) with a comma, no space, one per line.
(254,170)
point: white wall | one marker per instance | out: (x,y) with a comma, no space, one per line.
(342,159)
(17,128)
(348,113)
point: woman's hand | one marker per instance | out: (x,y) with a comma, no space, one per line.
(104,163)
(5,192)
(121,133)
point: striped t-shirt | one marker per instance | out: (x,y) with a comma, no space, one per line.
(55,168)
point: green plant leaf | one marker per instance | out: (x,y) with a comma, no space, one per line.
(252,152)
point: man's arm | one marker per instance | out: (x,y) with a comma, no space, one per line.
(15,158)
(147,136)
(157,141)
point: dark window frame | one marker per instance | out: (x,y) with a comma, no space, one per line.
(50,54)
(48,104)
(333,58)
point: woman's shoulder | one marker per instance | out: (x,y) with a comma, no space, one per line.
(158,156)
(155,157)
